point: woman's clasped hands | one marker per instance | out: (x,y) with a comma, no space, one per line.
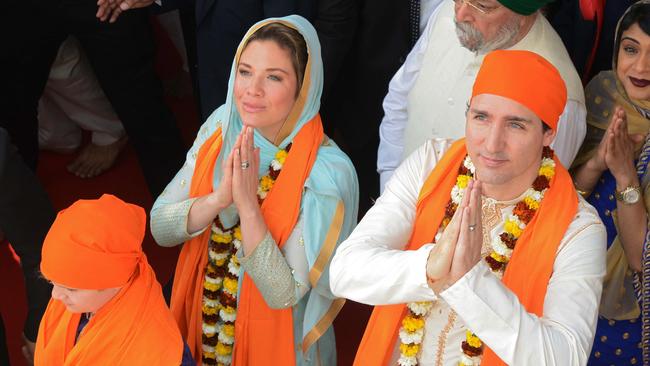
(616,149)
(240,175)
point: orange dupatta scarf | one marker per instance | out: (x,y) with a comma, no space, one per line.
(133,328)
(528,271)
(261,333)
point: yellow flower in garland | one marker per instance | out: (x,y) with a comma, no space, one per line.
(237,232)
(209,310)
(513,228)
(462,181)
(229,310)
(531,203)
(220,262)
(547,171)
(228,329)
(498,257)
(473,340)
(409,350)
(230,285)
(234,259)
(223,349)
(223,238)
(211,355)
(211,286)
(281,156)
(411,324)
(445,222)
(266,183)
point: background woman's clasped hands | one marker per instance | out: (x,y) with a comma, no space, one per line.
(616,149)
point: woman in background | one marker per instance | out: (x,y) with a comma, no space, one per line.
(611,169)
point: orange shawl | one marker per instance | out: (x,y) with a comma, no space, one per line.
(96,244)
(261,333)
(528,271)
(133,328)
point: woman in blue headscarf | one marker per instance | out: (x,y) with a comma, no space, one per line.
(261,203)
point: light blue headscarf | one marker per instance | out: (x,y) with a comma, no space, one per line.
(331,180)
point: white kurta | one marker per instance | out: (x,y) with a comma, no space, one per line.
(428,95)
(371,267)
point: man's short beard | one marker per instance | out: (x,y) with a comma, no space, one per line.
(472,39)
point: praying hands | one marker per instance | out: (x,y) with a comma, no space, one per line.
(238,186)
(245,179)
(459,247)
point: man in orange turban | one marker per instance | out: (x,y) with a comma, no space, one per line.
(107,307)
(481,251)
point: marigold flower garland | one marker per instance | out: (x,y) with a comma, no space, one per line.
(221,282)
(412,331)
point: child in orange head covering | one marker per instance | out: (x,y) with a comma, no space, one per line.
(107,307)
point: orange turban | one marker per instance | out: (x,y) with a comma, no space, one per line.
(102,237)
(92,245)
(526,78)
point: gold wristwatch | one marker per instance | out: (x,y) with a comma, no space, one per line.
(629,195)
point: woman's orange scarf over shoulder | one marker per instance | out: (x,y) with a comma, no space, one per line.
(261,333)
(96,244)
(528,271)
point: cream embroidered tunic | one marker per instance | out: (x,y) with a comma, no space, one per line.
(371,267)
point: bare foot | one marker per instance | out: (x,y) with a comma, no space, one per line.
(94,159)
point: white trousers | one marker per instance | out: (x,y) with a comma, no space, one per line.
(73,100)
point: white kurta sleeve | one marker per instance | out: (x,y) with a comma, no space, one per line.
(572,129)
(371,266)
(565,332)
(391,129)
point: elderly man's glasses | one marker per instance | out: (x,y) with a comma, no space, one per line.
(478,5)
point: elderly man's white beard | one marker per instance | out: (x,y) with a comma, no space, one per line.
(473,40)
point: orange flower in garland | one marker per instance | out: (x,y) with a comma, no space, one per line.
(523,212)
